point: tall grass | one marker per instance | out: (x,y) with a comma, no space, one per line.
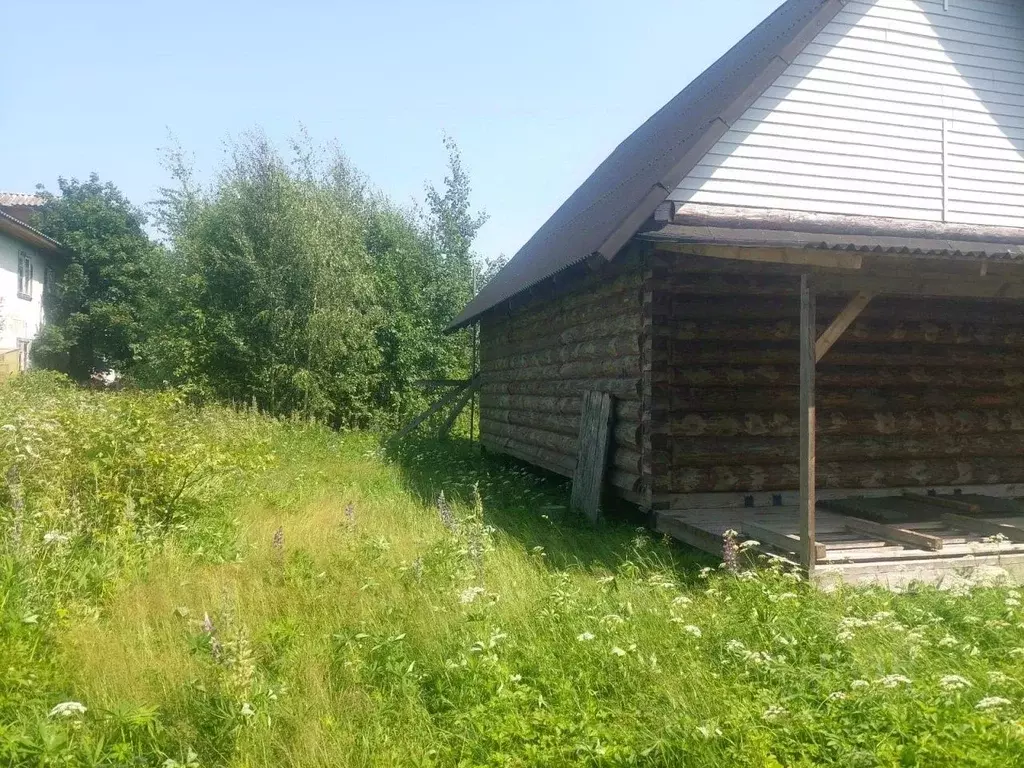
(310,600)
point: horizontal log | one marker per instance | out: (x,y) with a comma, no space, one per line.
(626,389)
(601,320)
(672,307)
(873,474)
(626,346)
(719,451)
(846,354)
(625,410)
(834,422)
(582,294)
(622,457)
(737,376)
(680,401)
(863,331)
(624,433)
(609,368)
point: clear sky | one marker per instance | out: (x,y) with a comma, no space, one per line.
(536,93)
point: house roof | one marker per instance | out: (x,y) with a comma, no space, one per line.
(20,200)
(19,230)
(611,205)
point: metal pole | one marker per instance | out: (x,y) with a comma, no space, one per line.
(472,366)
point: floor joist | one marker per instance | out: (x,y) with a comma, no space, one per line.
(843,321)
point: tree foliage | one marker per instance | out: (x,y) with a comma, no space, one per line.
(292,284)
(98,311)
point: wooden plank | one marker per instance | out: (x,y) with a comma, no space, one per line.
(843,321)
(592,453)
(943,501)
(982,526)
(794,256)
(894,534)
(807,425)
(467,393)
(786,542)
(444,401)
(875,509)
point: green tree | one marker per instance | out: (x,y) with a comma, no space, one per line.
(98,310)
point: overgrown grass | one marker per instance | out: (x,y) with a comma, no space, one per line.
(215,588)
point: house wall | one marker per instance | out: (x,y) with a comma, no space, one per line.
(898,108)
(538,358)
(918,392)
(20,318)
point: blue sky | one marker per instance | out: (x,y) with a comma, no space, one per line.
(535,93)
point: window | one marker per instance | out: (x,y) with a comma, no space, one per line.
(24,276)
(24,349)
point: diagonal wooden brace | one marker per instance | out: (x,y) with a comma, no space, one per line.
(843,321)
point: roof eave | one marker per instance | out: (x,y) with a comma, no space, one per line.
(28,234)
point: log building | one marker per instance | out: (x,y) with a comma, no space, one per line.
(802,283)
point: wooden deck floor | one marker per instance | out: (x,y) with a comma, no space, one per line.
(853,556)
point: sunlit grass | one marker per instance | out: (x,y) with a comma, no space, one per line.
(353,621)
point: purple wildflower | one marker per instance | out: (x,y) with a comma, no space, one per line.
(208,627)
(446,514)
(278,542)
(730,552)
(350,514)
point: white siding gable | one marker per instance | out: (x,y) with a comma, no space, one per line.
(898,108)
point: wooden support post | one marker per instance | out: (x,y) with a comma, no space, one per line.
(449,398)
(592,453)
(843,321)
(808,556)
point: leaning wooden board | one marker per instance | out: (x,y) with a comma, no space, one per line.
(592,453)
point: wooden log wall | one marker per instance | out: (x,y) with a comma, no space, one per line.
(537,359)
(918,392)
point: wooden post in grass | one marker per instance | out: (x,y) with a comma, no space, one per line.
(808,357)
(592,453)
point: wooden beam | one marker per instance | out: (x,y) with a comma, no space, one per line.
(592,453)
(843,321)
(807,425)
(457,408)
(792,256)
(939,501)
(894,534)
(446,400)
(980,525)
(787,542)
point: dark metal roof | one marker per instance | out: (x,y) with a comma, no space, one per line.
(611,205)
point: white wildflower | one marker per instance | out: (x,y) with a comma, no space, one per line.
(681,600)
(837,696)
(998,677)
(585,637)
(992,702)
(954,682)
(948,642)
(247,710)
(695,631)
(68,709)
(606,580)
(859,684)
(736,647)
(612,619)
(470,595)
(1016,652)
(705,572)
(749,544)
(844,636)
(788,596)
(1014,593)
(616,651)
(1012,602)
(893,681)
(708,732)
(515,678)
(55,537)
(774,713)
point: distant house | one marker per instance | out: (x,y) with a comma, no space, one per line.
(28,260)
(802,280)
